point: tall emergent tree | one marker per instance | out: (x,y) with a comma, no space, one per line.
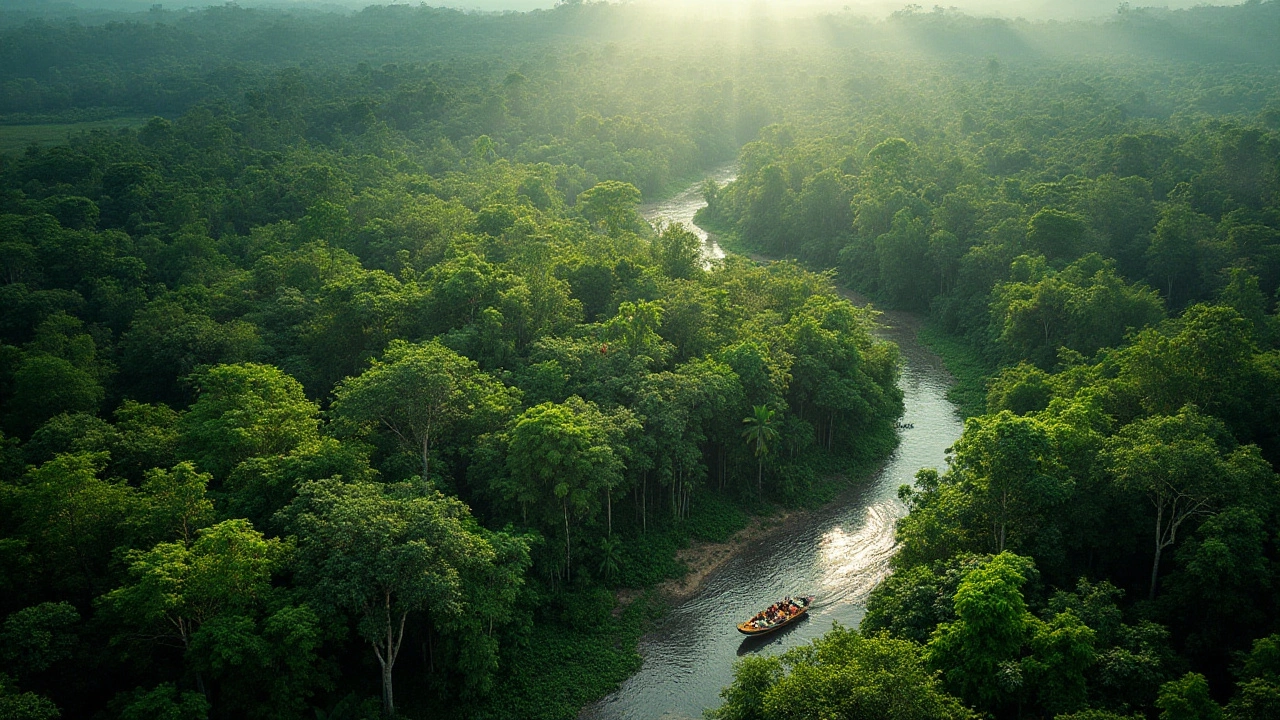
(564,456)
(383,552)
(1180,464)
(419,393)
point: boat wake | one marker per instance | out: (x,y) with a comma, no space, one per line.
(852,563)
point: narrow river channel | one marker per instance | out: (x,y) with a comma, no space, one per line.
(838,553)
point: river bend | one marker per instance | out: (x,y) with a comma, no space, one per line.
(838,553)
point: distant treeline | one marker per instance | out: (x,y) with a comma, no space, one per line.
(165,61)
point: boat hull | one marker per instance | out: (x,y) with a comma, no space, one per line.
(746,629)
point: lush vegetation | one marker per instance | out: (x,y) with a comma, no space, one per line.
(352,383)
(345,387)
(1106,237)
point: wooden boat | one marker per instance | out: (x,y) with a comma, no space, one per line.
(758,625)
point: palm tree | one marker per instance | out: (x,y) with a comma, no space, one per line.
(760,433)
(611,557)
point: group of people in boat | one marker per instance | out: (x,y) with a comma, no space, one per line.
(777,613)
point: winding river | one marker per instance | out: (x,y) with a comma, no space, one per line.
(838,553)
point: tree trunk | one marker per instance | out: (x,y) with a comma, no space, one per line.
(644,503)
(760,478)
(388,702)
(608,502)
(1155,562)
(426,458)
(388,660)
(568,554)
(1004,519)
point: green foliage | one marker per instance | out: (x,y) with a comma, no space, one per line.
(610,205)
(37,637)
(678,252)
(977,652)
(423,394)
(245,411)
(381,553)
(164,702)
(15,705)
(176,589)
(72,518)
(842,674)
(1187,698)
(1259,682)
(1084,308)
(424,221)
(562,667)
(45,386)
(563,458)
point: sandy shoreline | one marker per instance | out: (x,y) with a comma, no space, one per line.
(703,558)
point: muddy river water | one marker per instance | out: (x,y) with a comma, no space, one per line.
(838,553)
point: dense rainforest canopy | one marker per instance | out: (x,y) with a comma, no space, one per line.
(343,378)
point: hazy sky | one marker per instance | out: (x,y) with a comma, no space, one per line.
(1031,9)
(1005,8)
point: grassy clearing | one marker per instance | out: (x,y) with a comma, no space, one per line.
(16,138)
(966,365)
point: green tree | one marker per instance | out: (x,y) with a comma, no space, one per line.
(635,328)
(1187,698)
(421,393)
(975,651)
(36,637)
(1176,251)
(245,411)
(44,386)
(1058,235)
(760,431)
(73,519)
(610,205)
(678,252)
(1062,653)
(1009,465)
(170,339)
(165,702)
(15,705)
(175,589)
(260,487)
(840,675)
(902,254)
(564,458)
(176,502)
(1258,689)
(1178,463)
(382,553)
